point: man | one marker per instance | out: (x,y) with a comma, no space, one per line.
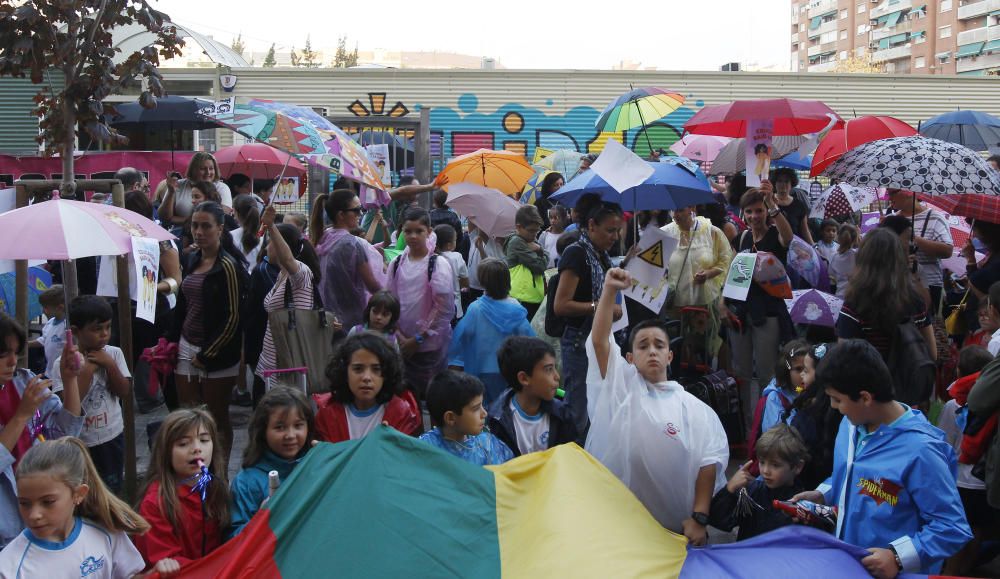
(931,237)
(132,180)
(239,184)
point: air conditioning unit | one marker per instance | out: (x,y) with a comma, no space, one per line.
(321,111)
(873,45)
(873,22)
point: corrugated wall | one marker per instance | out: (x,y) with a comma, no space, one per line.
(18,126)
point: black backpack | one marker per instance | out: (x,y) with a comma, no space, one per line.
(912,369)
(554,325)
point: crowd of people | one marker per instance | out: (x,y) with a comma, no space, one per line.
(506,344)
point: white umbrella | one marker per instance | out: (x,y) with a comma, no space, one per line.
(489,209)
(732,157)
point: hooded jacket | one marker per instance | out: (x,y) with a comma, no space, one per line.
(401,412)
(896,487)
(984,400)
(501,422)
(250,488)
(482,329)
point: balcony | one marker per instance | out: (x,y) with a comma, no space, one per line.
(977,9)
(887,8)
(823,67)
(824,27)
(974,35)
(892,53)
(828,48)
(796,36)
(980,62)
(821,8)
(887,31)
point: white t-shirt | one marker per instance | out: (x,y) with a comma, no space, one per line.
(653,437)
(90,551)
(937,230)
(53,340)
(948,424)
(250,255)
(361,422)
(548,240)
(182,197)
(994,345)
(492,249)
(532,431)
(102,412)
(460,270)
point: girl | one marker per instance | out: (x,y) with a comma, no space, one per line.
(814,419)
(75,524)
(776,400)
(558,217)
(366,389)
(282,427)
(245,236)
(842,262)
(179,203)
(183,526)
(425,288)
(381,317)
(29,413)
(551,183)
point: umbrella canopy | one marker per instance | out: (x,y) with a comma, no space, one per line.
(843,199)
(533,188)
(257,161)
(489,209)
(174,112)
(790,116)
(856,132)
(975,206)
(732,158)
(972,129)
(504,171)
(369,137)
(814,307)
(564,161)
(671,186)
(916,164)
(637,108)
(74,229)
(793,160)
(703,148)
(39,280)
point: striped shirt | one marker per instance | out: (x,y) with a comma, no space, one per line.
(193,329)
(302,298)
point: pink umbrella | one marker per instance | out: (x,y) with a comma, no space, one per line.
(790,116)
(704,148)
(257,161)
(72,229)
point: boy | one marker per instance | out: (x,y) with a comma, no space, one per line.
(104,379)
(53,336)
(781,455)
(446,247)
(455,403)
(667,446)
(527,417)
(893,476)
(527,260)
(827,245)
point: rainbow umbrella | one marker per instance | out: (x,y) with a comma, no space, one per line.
(638,107)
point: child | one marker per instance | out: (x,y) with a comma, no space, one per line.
(184,527)
(53,335)
(988,324)
(446,247)
(29,413)
(455,403)
(426,291)
(776,400)
(381,317)
(78,528)
(827,245)
(667,446)
(815,421)
(280,432)
(488,321)
(550,237)
(970,436)
(527,260)
(366,390)
(104,380)
(782,456)
(893,474)
(842,263)
(527,417)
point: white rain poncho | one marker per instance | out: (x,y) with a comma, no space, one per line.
(654,437)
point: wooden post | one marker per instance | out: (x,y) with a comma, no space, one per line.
(124,281)
(422,153)
(21,280)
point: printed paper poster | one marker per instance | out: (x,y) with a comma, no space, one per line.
(286,191)
(146,260)
(620,167)
(758,151)
(651,296)
(740,276)
(379,155)
(649,264)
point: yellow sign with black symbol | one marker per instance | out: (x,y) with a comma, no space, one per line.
(653,255)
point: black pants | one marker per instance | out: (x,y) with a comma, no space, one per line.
(532,308)
(109,458)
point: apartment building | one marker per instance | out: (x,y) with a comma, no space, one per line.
(903,36)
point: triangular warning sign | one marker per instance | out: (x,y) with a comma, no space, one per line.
(653,255)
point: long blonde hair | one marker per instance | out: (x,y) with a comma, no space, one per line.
(175,426)
(68,460)
(197,160)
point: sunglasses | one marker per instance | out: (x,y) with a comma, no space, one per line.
(354,210)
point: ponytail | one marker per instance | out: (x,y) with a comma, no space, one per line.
(316,219)
(249,216)
(68,460)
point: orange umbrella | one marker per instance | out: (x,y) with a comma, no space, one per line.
(504,171)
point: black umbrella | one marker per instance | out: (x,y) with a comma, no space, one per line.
(171,113)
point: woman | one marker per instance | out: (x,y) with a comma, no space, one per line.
(793,208)
(201,191)
(763,320)
(550,184)
(177,204)
(346,272)
(207,323)
(696,277)
(983,275)
(245,236)
(581,278)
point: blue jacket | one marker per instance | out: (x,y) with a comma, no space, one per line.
(501,422)
(479,334)
(249,488)
(774,410)
(896,486)
(480,450)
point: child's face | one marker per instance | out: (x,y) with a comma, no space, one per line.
(543,381)
(46,505)
(855,410)
(472,419)
(379,318)
(829,234)
(529,233)
(987,321)
(286,432)
(795,372)
(555,219)
(197,197)
(651,354)
(93,336)
(8,359)
(364,378)
(195,444)
(778,473)
(808,374)
(415,233)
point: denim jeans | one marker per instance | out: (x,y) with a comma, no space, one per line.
(574,374)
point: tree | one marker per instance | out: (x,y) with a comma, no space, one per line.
(296,61)
(352,60)
(859,64)
(308,58)
(340,57)
(238,45)
(269,60)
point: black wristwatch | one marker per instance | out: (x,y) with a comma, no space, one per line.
(899,562)
(700,518)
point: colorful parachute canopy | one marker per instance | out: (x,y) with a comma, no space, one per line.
(391,506)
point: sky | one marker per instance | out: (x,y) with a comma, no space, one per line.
(588,34)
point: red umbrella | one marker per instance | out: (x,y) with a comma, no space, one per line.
(974,205)
(791,117)
(257,161)
(853,133)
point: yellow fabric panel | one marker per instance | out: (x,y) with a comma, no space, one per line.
(560,513)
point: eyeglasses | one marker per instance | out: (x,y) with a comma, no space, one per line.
(354,210)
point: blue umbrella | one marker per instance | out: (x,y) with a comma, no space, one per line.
(793,160)
(671,186)
(971,129)
(171,112)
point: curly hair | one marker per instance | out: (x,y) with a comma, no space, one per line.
(389,359)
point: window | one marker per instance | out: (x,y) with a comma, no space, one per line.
(861,8)
(863,29)
(795,47)
(859,51)
(843,35)
(919,37)
(830,36)
(944,32)
(795,28)
(919,62)
(843,14)
(945,7)
(843,55)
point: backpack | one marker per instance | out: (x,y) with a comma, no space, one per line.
(910,365)
(554,325)
(525,286)
(755,430)
(394,266)
(720,392)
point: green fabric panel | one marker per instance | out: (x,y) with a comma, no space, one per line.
(970,49)
(893,18)
(897,38)
(973,73)
(815,22)
(883,44)
(386,505)
(992,45)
